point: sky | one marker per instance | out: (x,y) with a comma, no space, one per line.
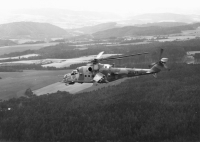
(114,6)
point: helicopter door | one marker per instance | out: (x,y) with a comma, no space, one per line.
(87,75)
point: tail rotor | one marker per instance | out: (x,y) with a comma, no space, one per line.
(161,52)
(157,66)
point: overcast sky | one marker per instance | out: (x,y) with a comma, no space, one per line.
(115,6)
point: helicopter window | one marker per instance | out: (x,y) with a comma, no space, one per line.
(74,72)
(90,69)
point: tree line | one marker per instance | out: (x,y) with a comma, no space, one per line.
(175,50)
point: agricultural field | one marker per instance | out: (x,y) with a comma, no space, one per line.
(180,38)
(14,84)
(58,63)
(23,47)
(192,32)
(23,56)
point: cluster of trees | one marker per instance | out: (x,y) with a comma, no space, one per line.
(66,51)
(144,109)
(28,67)
(14,54)
(20,68)
(9,69)
(132,41)
(144,31)
(74,66)
(197,56)
(175,51)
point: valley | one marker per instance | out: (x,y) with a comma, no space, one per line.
(44,52)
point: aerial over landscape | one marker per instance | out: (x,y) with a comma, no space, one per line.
(99,71)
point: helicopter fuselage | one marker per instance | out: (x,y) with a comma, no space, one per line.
(96,72)
(85,74)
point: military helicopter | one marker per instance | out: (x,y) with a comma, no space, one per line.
(95,72)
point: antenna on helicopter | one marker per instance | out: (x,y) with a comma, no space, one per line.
(161,52)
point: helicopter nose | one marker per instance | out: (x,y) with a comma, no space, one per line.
(66,77)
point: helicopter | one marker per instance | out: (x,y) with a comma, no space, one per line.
(96,73)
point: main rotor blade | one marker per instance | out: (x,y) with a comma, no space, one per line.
(124,56)
(95,60)
(99,55)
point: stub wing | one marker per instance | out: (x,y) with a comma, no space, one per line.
(98,77)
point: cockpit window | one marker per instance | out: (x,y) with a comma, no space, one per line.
(74,72)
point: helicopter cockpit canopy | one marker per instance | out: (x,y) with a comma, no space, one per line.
(74,72)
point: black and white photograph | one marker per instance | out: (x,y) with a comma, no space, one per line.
(99,71)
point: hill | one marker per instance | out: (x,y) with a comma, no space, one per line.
(96,28)
(30,30)
(162,24)
(143,31)
(165,17)
(144,109)
(6,42)
(67,19)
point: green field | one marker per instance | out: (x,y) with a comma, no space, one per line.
(14,84)
(23,47)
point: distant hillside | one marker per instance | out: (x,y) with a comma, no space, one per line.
(30,30)
(162,24)
(159,17)
(6,42)
(167,17)
(67,19)
(96,28)
(143,31)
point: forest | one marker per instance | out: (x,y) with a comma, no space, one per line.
(9,69)
(175,50)
(20,68)
(163,109)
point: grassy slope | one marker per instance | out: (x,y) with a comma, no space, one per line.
(143,109)
(14,84)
